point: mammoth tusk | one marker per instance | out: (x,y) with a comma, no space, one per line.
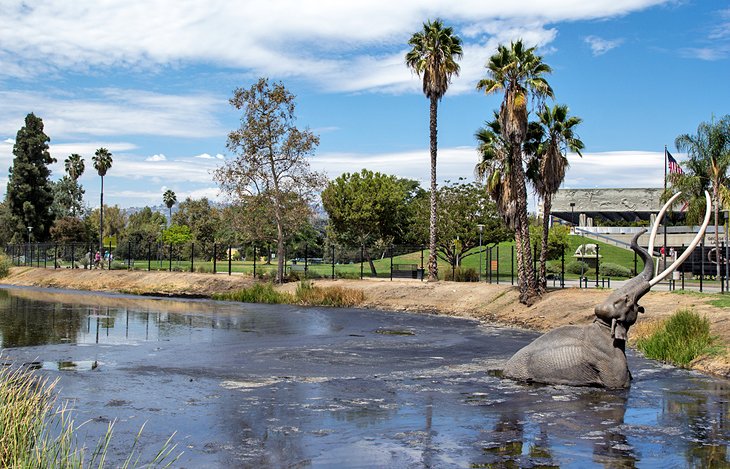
(658,221)
(691,246)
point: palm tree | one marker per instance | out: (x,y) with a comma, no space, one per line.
(706,169)
(169,198)
(433,56)
(102,162)
(494,168)
(556,137)
(74,166)
(518,71)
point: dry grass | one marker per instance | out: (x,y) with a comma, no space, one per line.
(309,294)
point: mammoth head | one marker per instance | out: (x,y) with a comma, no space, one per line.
(621,308)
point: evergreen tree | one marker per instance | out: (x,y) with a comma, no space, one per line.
(30,191)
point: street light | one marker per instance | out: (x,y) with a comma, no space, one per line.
(30,228)
(481,228)
(572,215)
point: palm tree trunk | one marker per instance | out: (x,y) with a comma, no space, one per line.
(432,262)
(101,218)
(527,284)
(715,202)
(542,278)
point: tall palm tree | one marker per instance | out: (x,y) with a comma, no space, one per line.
(74,166)
(433,56)
(102,162)
(706,169)
(169,198)
(518,72)
(494,168)
(557,137)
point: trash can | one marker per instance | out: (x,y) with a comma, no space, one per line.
(419,273)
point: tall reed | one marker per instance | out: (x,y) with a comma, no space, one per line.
(679,339)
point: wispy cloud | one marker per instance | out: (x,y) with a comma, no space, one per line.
(159,157)
(600,46)
(318,41)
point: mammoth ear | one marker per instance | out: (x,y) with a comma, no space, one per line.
(641,309)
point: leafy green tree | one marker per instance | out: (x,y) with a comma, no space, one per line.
(517,72)
(102,163)
(68,198)
(29,190)
(169,198)
(68,230)
(368,209)
(271,172)
(6,224)
(144,229)
(434,54)
(203,220)
(114,224)
(176,235)
(706,169)
(555,137)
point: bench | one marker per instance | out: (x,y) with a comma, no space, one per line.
(405,271)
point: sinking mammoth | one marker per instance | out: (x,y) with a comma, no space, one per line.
(594,355)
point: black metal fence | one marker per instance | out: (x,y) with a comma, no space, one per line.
(492,264)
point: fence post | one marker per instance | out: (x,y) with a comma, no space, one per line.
(497,264)
(215,258)
(489,265)
(55,256)
(562,269)
(149,256)
(598,262)
(230,253)
(170,257)
(129,256)
(192,257)
(683,249)
(391,262)
(362,258)
(254,261)
(45,257)
(702,264)
(333,262)
(306,261)
(73,255)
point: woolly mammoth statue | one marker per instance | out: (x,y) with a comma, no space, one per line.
(594,354)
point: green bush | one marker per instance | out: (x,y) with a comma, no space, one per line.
(461,274)
(614,270)
(680,339)
(5,264)
(204,269)
(575,267)
(553,267)
(257,293)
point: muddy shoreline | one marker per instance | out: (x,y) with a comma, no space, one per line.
(493,304)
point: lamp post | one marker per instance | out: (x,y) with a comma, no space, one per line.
(30,228)
(572,215)
(481,229)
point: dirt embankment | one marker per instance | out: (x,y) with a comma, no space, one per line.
(485,302)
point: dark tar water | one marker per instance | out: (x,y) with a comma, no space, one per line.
(286,386)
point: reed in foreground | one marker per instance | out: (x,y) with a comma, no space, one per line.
(680,339)
(36,434)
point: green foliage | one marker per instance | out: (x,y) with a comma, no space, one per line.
(30,191)
(5,264)
(202,218)
(553,268)
(68,197)
(680,339)
(176,235)
(558,240)
(574,267)
(69,230)
(608,269)
(257,293)
(366,208)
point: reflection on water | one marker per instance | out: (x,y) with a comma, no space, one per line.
(265,386)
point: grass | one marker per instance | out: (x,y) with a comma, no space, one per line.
(4,265)
(306,294)
(37,434)
(679,339)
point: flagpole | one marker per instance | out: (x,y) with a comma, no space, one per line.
(666,220)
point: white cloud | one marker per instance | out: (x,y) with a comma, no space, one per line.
(159,157)
(600,46)
(204,156)
(113,111)
(319,41)
(9,141)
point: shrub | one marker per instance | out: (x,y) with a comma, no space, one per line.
(311,295)
(204,269)
(679,339)
(575,267)
(553,267)
(461,274)
(5,264)
(348,275)
(614,270)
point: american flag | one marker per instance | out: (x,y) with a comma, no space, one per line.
(674,167)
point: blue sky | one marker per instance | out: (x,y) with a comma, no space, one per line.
(150,80)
